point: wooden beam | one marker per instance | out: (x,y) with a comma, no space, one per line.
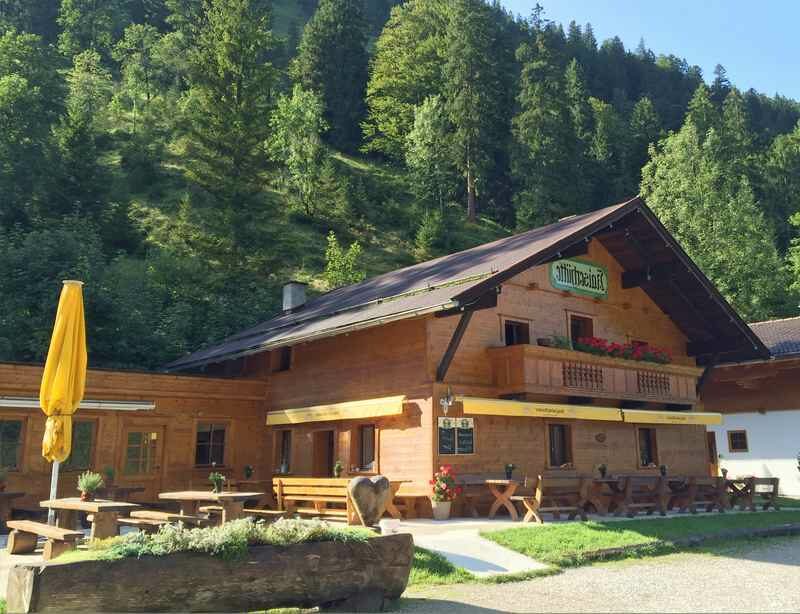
(716,346)
(455,341)
(485,301)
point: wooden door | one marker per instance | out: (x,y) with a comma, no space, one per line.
(141,460)
(713,458)
(323,454)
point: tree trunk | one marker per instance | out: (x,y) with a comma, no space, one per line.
(472,206)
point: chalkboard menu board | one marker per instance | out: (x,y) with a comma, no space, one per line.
(447,440)
(465,441)
(456,436)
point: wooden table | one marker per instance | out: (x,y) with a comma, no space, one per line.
(104,514)
(251,485)
(604,502)
(232,502)
(5,506)
(502,498)
(119,493)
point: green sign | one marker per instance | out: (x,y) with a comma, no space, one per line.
(579,277)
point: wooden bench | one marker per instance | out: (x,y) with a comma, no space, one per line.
(168,517)
(766,488)
(268,515)
(705,492)
(556,495)
(143,524)
(25,533)
(318,497)
(409,496)
(649,493)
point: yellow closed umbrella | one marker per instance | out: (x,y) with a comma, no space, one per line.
(64,377)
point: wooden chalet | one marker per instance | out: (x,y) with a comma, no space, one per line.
(459,360)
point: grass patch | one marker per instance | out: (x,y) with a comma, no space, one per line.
(431,568)
(567,545)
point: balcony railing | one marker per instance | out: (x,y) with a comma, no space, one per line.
(543,370)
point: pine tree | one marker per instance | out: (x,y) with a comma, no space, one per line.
(545,137)
(332,61)
(228,104)
(782,184)
(645,130)
(89,24)
(473,93)
(721,86)
(701,112)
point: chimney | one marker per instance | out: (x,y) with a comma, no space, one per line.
(294,296)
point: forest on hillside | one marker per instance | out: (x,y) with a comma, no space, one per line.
(186,157)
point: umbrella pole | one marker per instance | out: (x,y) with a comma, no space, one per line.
(51,513)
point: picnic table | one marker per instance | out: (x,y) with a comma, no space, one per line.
(119,493)
(104,514)
(502,498)
(231,502)
(605,494)
(5,506)
(252,485)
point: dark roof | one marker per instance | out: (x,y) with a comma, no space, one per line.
(457,280)
(782,337)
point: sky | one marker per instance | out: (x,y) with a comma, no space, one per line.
(757,42)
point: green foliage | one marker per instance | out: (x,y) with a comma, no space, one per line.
(217,481)
(714,215)
(90,482)
(432,569)
(431,238)
(297,125)
(87,24)
(332,61)
(230,540)
(342,266)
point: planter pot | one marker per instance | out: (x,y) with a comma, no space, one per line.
(441,509)
(509,474)
(87,496)
(545,342)
(354,577)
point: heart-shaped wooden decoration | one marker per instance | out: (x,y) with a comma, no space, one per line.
(369,496)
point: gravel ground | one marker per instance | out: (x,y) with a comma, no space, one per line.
(757,576)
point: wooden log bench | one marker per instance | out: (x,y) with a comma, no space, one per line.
(556,495)
(25,533)
(704,492)
(744,491)
(648,493)
(325,498)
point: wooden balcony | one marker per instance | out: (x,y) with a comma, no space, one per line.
(549,371)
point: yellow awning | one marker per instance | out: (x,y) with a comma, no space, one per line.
(500,407)
(670,417)
(370,408)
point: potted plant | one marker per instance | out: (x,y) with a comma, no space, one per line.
(89,482)
(445,491)
(217,480)
(602,470)
(510,470)
(249,470)
(662,469)
(337,469)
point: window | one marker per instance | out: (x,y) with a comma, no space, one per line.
(284,451)
(80,456)
(737,441)
(456,436)
(366,439)
(210,444)
(282,359)
(517,333)
(10,443)
(141,452)
(580,326)
(560,444)
(648,451)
